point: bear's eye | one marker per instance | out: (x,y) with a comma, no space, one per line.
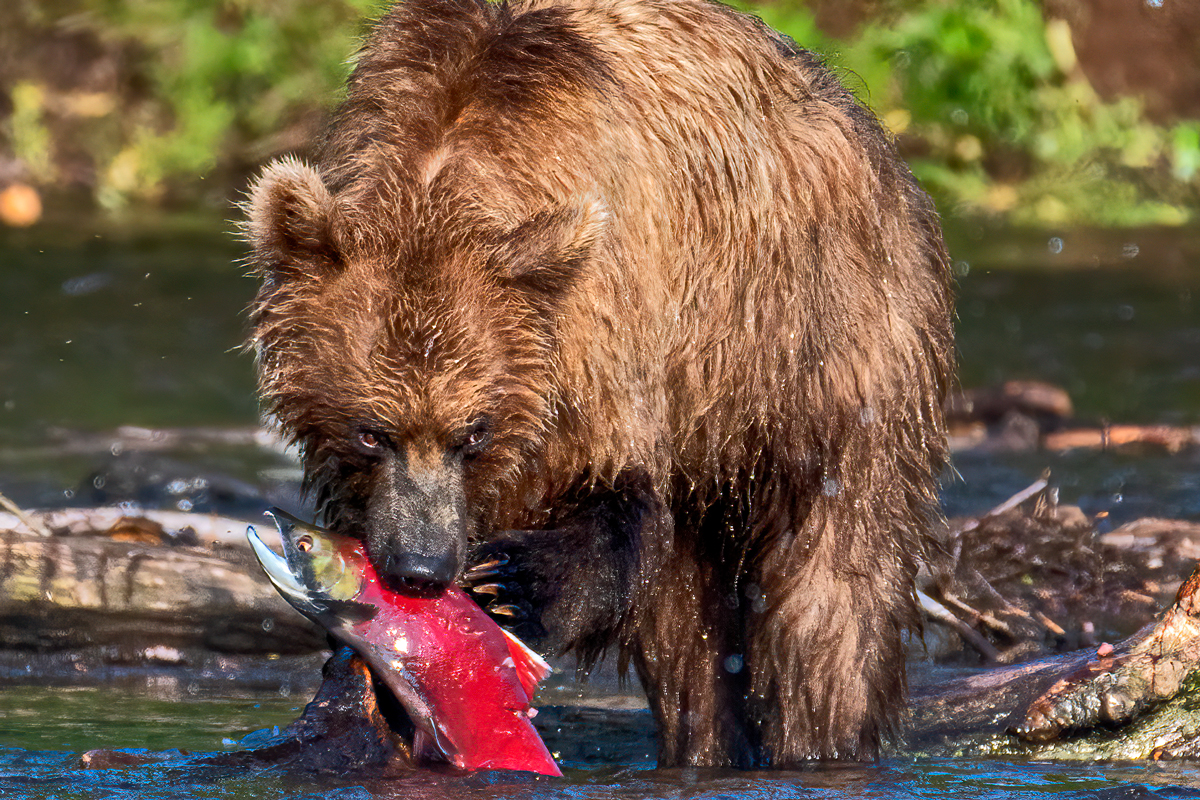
(476,437)
(369,440)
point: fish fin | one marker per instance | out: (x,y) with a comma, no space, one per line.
(531,668)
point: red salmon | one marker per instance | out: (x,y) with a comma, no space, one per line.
(465,682)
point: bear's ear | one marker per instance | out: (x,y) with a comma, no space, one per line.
(543,256)
(288,221)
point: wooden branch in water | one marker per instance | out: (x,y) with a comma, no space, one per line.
(1173,439)
(1134,700)
(29,522)
(942,614)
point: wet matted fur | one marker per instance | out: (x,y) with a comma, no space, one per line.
(702,305)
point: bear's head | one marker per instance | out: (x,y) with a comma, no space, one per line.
(409,352)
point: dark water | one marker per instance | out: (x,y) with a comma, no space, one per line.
(43,731)
(143,328)
(47,774)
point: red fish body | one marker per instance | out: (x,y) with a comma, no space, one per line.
(468,670)
(465,682)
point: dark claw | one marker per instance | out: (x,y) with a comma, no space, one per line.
(494,589)
(488,569)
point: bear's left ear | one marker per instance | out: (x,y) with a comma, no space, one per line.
(288,221)
(543,256)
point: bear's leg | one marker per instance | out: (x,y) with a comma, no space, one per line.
(572,584)
(687,649)
(826,653)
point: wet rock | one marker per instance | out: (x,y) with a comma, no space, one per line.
(342,731)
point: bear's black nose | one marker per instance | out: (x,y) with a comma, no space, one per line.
(408,570)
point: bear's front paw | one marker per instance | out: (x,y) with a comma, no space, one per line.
(505,581)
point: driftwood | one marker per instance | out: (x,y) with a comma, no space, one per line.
(1134,700)
(105,590)
(1021,416)
(1033,577)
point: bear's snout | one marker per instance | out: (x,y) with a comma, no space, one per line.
(415,530)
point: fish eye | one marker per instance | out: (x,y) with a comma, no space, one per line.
(304,543)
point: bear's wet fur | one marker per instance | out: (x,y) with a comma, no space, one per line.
(633,294)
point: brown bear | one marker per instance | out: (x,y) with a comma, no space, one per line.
(632,302)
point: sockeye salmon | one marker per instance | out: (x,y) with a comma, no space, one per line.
(465,682)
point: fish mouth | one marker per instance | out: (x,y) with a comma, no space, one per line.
(292,576)
(279,571)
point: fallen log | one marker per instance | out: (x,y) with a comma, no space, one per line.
(75,602)
(1134,700)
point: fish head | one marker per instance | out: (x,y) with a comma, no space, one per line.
(321,573)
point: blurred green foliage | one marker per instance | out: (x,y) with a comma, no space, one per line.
(991,109)
(228,74)
(206,83)
(997,118)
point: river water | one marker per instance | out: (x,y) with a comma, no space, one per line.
(103,334)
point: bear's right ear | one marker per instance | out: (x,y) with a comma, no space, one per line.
(288,221)
(544,256)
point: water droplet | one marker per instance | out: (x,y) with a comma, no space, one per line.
(1055,245)
(1130,250)
(734,664)
(1124,312)
(268,624)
